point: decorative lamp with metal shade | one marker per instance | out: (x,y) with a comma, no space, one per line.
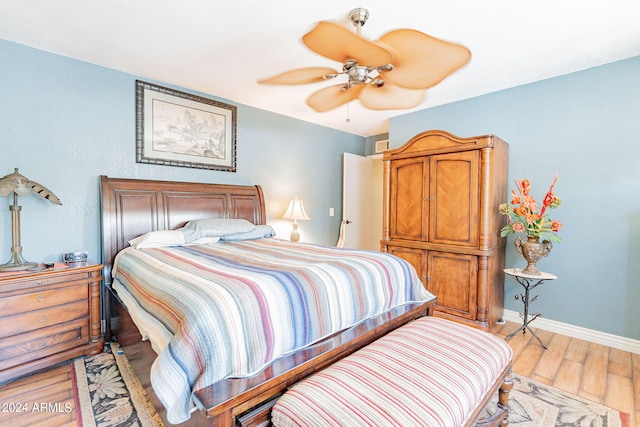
(295,211)
(19,185)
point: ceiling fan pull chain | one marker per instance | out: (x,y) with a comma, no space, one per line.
(348,99)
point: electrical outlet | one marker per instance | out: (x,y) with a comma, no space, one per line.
(331,212)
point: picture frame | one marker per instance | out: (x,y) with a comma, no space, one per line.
(175,128)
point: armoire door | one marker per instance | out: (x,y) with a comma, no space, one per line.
(454,198)
(452,278)
(408,205)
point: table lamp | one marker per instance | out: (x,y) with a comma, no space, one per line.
(19,185)
(295,211)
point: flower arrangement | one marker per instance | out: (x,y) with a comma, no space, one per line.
(524,216)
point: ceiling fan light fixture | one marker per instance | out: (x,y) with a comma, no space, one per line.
(357,75)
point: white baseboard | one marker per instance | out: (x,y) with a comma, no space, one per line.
(615,341)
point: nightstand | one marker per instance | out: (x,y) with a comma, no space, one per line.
(48,316)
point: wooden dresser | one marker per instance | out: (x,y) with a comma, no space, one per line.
(47,317)
(441,195)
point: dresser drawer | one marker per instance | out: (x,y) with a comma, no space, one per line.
(33,345)
(32,320)
(52,279)
(43,298)
(47,317)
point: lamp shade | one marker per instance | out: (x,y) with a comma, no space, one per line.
(18,184)
(295,211)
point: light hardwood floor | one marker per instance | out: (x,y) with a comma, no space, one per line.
(601,374)
(21,400)
(595,372)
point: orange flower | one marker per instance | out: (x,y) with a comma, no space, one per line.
(525,187)
(550,198)
(517,227)
(532,218)
(556,225)
(515,198)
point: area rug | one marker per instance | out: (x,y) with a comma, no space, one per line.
(109,394)
(534,404)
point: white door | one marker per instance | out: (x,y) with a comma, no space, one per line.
(361,202)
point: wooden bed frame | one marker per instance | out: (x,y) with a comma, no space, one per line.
(132,207)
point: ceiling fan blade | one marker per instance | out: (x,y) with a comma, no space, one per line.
(300,76)
(339,43)
(333,96)
(422,61)
(391,97)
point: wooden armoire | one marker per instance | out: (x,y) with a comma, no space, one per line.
(441,199)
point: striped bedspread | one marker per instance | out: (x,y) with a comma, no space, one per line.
(234,307)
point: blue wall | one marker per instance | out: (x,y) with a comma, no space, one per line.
(584,126)
(65,122)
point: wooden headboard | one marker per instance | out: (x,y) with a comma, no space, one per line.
(131,207)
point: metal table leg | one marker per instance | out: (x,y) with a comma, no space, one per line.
(528,285)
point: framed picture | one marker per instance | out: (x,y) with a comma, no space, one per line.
(175,128)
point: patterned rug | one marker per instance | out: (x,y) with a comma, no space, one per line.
(110,395)
(533,404)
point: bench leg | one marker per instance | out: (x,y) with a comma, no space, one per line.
(501,416)
(503,398)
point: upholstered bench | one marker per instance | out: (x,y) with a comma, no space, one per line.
(430,372)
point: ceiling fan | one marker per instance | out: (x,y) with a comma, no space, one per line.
(390,73)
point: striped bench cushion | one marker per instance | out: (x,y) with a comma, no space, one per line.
(431,372)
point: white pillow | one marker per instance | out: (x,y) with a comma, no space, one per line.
(216,227)
(158,239)
(259,232)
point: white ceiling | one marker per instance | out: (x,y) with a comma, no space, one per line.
(222,47)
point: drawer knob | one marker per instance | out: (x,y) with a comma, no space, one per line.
(39,282)
(41,298)
(42,344)
(42,318)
